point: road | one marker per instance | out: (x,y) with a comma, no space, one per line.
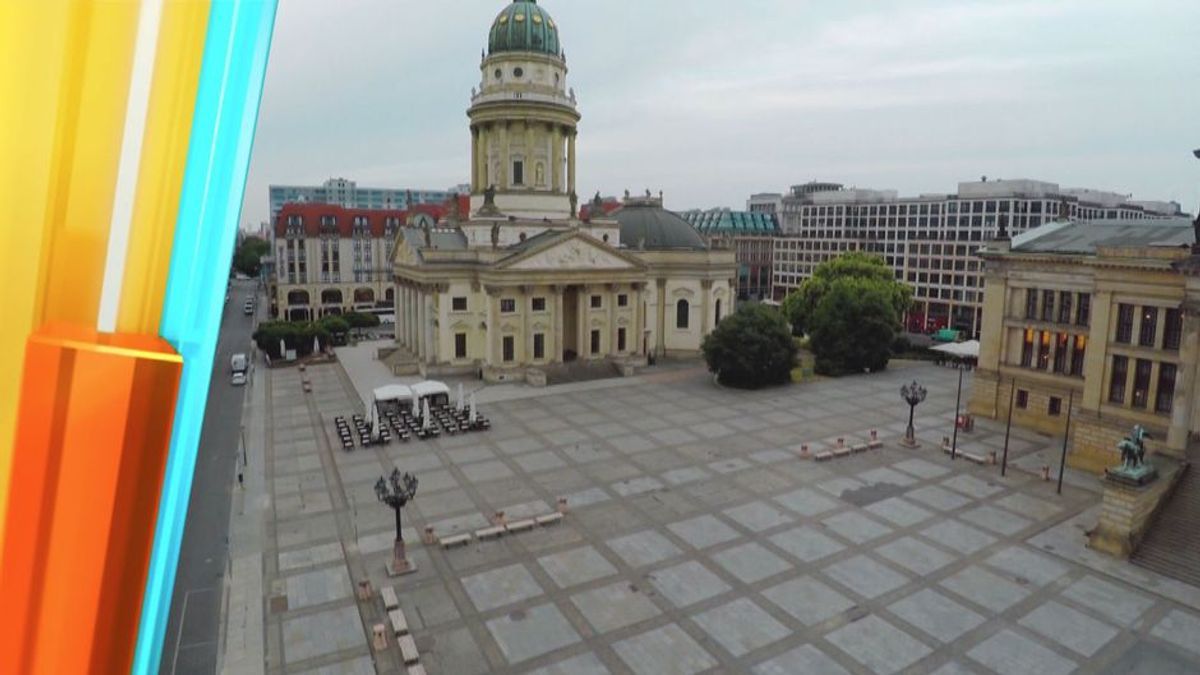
(193,625)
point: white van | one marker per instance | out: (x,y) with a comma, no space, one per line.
(238,363)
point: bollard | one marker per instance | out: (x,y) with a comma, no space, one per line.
(991,457)
(364,590)
(1046,472)
(841,442)
(429,538)
(380,637)
(562,505)
(804,451)
(498,519)
(874,435)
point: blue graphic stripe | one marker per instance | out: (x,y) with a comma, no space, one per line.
(231,80)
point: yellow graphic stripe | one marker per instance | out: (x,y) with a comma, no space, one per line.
(64,80)
(164,154)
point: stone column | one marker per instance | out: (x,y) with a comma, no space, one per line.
(661,318)
(422,347)
(639,319)
(558,324)
(556,159)
(583,311)
(1093,361)
(571,162)
(432,325)
(1185,382)
(398,302)
(526,356)
(475,186)
(612,318)
(481,159)
(706,299)
(493,316)
(505,158)
(530,161)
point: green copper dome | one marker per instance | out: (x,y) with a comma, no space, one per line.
(524,27)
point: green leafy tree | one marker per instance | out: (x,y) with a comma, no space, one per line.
(247,259)
(335,325)
(361,320)
(297,335)
(853,327)
(751,348)
(800,305)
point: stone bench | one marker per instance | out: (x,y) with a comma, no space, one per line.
(859,447)
(823,456)
(389,597)
(843,451)
(972,457)
(875,445)
(549,519)
(408,649)
(417,669)
(456,540)
(521,526)
(490,532)
(398,621)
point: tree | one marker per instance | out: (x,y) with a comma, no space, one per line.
(853,327)
(800,304)
(751,348)
(361,320)
(297,335)
(248,257)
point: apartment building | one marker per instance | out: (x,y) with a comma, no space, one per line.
(931,240)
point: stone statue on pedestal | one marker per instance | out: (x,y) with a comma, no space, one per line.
(1134,469)
(489,202)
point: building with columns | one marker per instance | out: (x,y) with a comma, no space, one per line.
(520,284)
(1098,317)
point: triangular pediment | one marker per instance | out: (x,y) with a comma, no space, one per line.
(572,252)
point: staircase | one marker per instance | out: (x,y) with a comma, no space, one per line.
(1171,546)
(580,371)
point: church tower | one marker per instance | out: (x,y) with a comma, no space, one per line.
(523,119)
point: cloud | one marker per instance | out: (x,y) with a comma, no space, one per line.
(711,101)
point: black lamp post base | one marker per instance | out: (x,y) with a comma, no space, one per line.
(910,442)
(399,565)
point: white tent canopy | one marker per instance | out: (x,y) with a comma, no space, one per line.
(963,350)
(393,392)
(430,388)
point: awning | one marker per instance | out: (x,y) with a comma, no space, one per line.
(393,392)
(430,388)
(962,350)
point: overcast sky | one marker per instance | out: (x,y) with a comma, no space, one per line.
(711,101)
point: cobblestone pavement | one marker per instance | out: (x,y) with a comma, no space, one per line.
(697,541)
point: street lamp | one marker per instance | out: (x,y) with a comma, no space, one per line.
(912,394)
(397,491)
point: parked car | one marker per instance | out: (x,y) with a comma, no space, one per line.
(248,309)
(238,379)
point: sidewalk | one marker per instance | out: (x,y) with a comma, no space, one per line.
(241,649)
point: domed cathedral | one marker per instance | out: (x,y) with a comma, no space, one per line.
(519,285)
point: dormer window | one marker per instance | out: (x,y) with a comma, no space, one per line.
(295,226)
(328,225)
(362,226)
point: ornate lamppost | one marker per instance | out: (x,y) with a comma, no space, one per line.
(913,394)
(396,491)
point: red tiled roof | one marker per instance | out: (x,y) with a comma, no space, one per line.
(608,205)
(344,218)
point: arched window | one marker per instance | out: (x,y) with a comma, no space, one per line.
(331,296)
(681,314)
(297,297)
(390,296)
(718,311)
(363,296)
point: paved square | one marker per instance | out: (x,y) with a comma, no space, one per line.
(1070,628)
(703,531)
(696,539)
(806,543)
(805,660)
(528,633)
(936,614)
(1010,654)
(808,600)
(643,548)
(687,583)
(504,586)
(741,626)
(865,576)
(613,607)
(878,645)
(750,562)
(664,651)
(576,566)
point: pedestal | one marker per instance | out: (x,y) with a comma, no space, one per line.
(1127,509)
(400,564)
